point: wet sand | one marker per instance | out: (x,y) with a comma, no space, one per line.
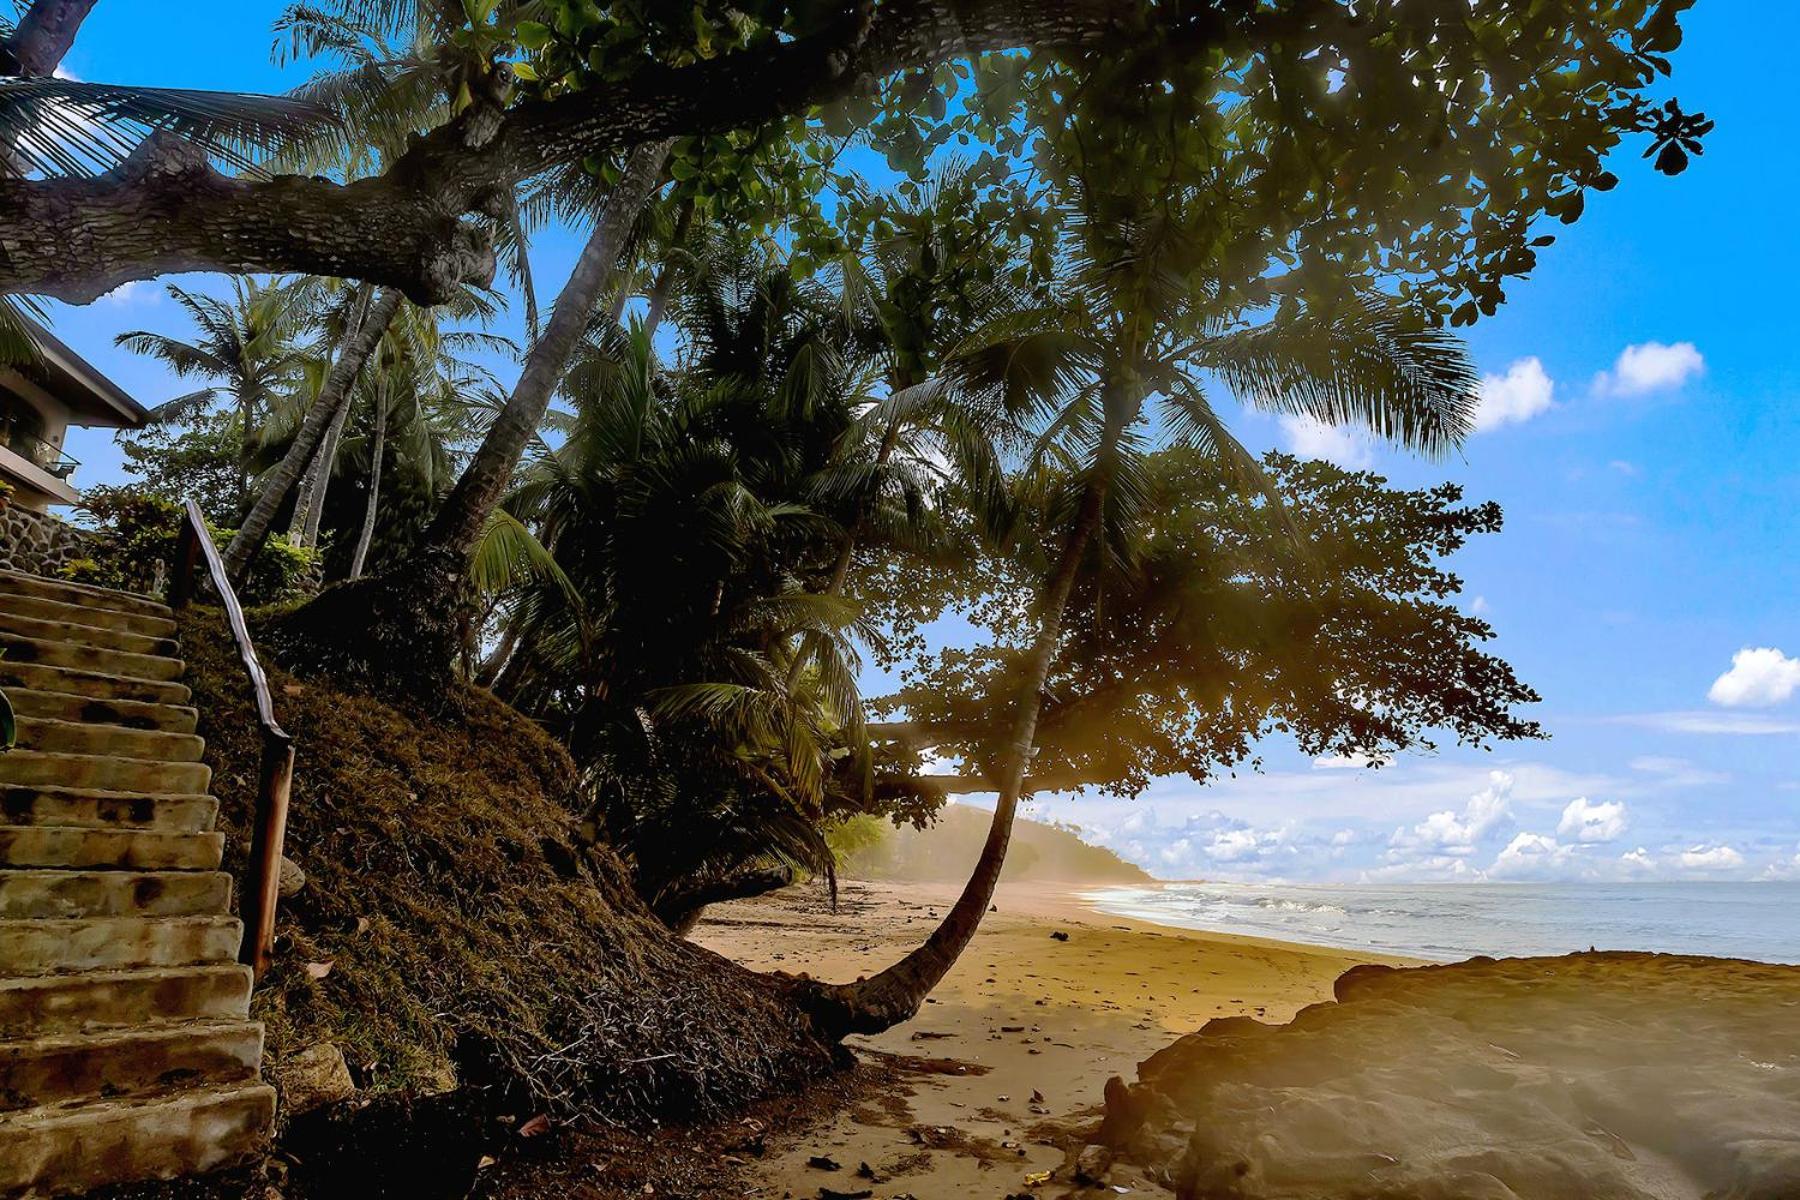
(1013,1051)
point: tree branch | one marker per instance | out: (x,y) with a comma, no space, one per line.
(166,210)
(43,36)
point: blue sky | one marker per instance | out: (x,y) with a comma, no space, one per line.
(1642,437)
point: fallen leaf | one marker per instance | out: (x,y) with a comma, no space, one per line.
(538,1124)
(318,970)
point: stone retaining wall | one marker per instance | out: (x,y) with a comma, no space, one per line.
(37,543)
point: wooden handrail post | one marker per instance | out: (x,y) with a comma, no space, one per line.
(262,880)
(275,777)
(187,560)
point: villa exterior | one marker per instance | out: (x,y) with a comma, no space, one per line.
(38,403)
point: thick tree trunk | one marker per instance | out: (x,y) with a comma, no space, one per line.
(335,394)
(460,522)
(167,210)
(376,450)
(681,908)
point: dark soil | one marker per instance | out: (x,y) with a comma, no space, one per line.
(475,963)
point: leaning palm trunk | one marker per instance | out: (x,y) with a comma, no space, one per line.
(458,526)
(374,504)
(403,630)
(334,395)
(319,478)
(894,995)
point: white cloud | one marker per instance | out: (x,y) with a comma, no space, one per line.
(1736,724)
(1588,822)
(1480,606)
(1346,447)
(1711,858)
(1640,859)
(1677,772)
(1759,677)
(1628,469)
(1354,761)
(1650,367)
(1234,845)
(1532,854)
(134,292)
(1519,395)
(1448,832)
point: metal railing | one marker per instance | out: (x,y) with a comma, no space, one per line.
(41,454)
(262,882)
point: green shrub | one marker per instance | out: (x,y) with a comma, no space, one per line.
(137,533)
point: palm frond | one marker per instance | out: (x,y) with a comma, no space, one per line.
(65,127)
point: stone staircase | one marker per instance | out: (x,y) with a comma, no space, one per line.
(126,1052)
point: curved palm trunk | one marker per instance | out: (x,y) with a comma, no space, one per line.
(403,630)
(333,396)
(894,995)
(44,34)
(374,504)
(459,523)
(324,463)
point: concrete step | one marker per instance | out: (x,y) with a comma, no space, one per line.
(109,849)
(84,635)
(17,583)
(94,1000)
(50,895)
(51,652)
(49,1151)
(83,710)
(92,685)
(111,943)
(68,1067)
(104,771)
(113,741)
(46,609)
(23,804)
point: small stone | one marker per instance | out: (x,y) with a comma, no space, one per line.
(313,1078)
(1092,1164)
(292,878)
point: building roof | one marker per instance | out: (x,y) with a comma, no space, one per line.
(91,397)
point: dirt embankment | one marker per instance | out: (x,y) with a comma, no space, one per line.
(476,965)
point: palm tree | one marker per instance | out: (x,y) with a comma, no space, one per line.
(1070,382)
(397,69)
(247,345)
(677,648)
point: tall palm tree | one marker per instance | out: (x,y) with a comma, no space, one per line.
(397,68)
(249,347)
(678,649)
(1071,383)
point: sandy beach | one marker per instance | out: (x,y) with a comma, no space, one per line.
(1013,1051)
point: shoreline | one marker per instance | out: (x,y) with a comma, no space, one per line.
(1008,1060)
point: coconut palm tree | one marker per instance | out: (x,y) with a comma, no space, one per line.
(249,346)
(678,648)
(1076,386)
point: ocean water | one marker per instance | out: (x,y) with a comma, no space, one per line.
(1454,920)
